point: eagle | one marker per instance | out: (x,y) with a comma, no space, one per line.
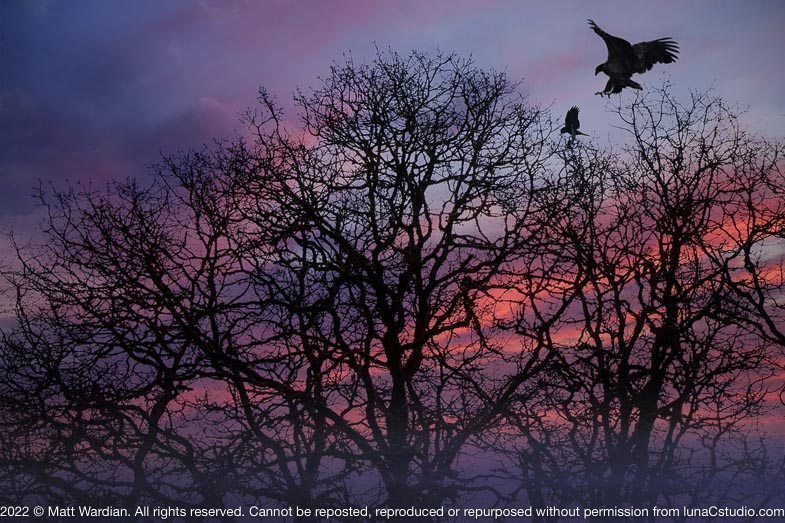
(571,125)
(625,59)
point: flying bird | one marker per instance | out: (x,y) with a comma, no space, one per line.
(571,125)
(625,59)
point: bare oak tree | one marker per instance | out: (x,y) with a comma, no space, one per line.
(370,304)
(274,317)
(396,215)
(663,359)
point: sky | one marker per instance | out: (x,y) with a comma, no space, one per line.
(99,90)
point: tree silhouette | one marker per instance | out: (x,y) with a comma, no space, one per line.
(663,358)
(273,317)
(395,226)
(372,307)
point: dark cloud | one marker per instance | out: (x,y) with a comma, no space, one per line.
(98,89)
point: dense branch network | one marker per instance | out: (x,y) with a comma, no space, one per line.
(414,284)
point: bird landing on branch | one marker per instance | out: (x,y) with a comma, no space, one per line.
(625,59)
(571,125)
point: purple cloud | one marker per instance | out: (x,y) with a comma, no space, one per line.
(97,90)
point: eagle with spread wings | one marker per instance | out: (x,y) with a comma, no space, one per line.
(625,59)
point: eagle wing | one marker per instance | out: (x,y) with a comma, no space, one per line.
(660,51)
(571,121)
(621,55)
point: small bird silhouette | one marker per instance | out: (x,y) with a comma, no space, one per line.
(571,125)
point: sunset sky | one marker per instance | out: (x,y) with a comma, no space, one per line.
(593,339)
(98,90)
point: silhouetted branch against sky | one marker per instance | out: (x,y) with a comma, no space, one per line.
(400,285)
(667,342)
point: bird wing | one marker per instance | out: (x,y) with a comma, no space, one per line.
(621,55)
(661,51)
(571,121)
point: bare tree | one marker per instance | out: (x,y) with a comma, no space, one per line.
(663,361)
(114,387)
(270,319)
(411,194)
(368,308)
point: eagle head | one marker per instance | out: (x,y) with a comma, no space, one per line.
(600,68)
